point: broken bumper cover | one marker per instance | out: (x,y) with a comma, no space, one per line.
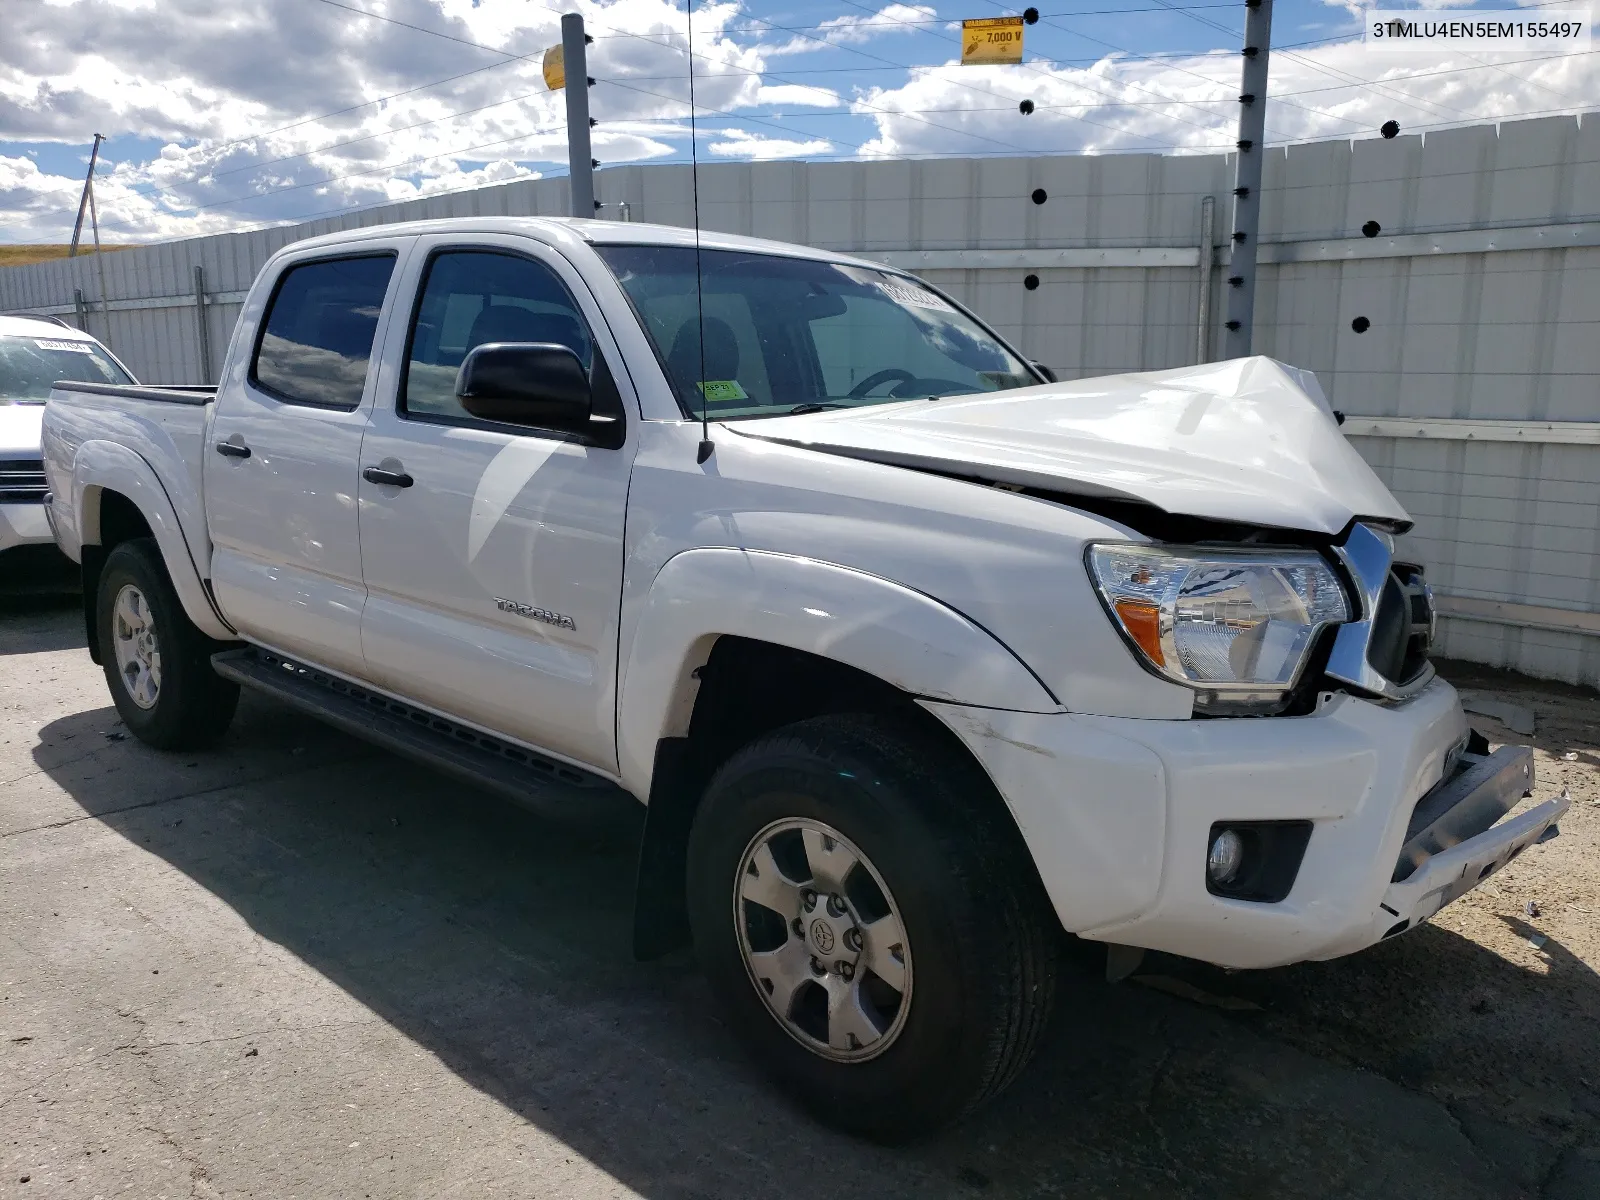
(1118,815)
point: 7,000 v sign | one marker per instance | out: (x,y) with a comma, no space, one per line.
(991,40)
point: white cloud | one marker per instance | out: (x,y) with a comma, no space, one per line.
(740,143)
(1190,104)
(853,30)
(798,94)
(233,95)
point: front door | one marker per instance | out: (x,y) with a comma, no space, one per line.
(493,553)
(284,455)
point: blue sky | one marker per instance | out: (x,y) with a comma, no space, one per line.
(263,111)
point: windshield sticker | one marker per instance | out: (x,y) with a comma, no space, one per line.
(72,347)
(904,294)
(720,391)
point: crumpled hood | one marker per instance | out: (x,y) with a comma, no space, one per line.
(19,430)
(1247,440)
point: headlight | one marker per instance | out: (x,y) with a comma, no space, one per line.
(1234,625)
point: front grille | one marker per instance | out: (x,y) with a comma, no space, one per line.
(1402,626)
(22,481)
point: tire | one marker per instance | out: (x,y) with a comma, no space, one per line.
(157,664)
(973,983)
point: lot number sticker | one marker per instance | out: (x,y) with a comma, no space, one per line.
(915,296)
(70,347)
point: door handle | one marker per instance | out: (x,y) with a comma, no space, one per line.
(233,450)
(391,478)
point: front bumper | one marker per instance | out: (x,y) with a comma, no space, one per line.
(1118,813)
(23,525)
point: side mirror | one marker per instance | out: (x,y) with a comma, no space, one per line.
(1044,370)
(526,383)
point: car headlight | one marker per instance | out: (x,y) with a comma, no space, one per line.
(1237,626)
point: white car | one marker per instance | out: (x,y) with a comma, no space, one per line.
(916,656)
(34,353)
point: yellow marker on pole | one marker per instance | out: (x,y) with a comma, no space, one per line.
(991,40)
(555,69)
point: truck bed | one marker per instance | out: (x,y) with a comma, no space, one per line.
(164,426)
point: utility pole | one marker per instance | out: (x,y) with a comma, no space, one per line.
(99,259)
(580,161)
(1247,178)
(83,200)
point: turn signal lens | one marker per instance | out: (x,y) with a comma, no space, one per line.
(1143,623)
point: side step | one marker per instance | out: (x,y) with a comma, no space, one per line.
(549,787)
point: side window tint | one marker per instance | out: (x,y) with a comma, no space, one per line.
(474,296)
(318,333)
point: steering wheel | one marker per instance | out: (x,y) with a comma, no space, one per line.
(878,377)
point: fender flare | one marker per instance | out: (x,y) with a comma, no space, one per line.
(892,632)
(102,466)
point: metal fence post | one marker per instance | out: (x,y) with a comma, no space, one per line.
(1202,327)
(580,161)
(1247,178)
(200,323)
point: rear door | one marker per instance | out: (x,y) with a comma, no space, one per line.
(283,461)
(494,573)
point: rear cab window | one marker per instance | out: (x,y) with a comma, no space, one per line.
(317,335)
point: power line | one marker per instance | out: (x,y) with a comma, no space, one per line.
(668,45)
(1174,67)
(421,87)
(859,108)
(1070,83)
(1332,72)
(356,174)
(837,24)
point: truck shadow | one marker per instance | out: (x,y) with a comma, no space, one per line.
(31,622)
(499,942)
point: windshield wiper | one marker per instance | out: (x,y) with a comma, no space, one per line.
(812,406)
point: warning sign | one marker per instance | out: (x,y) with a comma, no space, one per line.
(991,40)
(555,69)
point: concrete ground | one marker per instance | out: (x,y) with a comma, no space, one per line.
(295,966)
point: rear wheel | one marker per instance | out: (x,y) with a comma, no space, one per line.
(157,664)
(873,928)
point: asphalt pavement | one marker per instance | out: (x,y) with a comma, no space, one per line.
(297,966)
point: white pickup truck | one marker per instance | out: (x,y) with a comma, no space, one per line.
(916,656)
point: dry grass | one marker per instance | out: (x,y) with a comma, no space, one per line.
(22,255)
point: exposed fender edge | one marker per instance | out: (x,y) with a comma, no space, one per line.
(892,632)
(102,466)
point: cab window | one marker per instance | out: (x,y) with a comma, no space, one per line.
(316,339)
(470,297)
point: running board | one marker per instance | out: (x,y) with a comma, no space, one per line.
(546,785)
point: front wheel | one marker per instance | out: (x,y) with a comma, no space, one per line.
(870,922)
(157,664)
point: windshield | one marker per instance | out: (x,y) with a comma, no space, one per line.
(793,334)
(30,365)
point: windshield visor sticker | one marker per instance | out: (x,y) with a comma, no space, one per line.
(720,391)
(902,293)
(70,347)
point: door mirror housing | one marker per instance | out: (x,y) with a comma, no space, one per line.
(1044,370)
(541,384)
